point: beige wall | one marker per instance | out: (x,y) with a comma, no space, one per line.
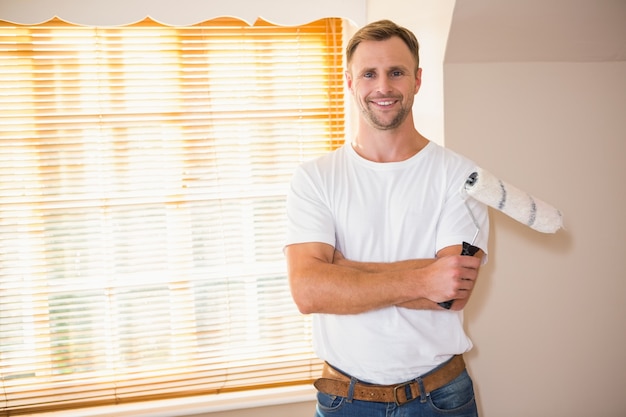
(540,101)
(548,315)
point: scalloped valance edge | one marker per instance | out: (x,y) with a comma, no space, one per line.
(178,13)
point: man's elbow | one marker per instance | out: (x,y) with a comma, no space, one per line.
(305,307)
(302,297)
(303,302)
(305,264)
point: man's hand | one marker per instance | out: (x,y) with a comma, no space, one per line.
(452,277)
(459,304)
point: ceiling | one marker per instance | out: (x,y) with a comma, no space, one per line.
(537,30)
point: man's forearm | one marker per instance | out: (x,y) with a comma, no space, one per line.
(381,266)
(374,267)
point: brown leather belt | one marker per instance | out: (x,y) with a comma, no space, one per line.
(333,382)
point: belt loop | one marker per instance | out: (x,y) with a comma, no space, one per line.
(350,396)
(423,393)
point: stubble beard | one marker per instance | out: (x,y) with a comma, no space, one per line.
(380,124)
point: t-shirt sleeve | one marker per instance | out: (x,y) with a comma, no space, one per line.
(456,222)
(309,217)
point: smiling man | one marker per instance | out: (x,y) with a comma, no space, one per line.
(384,99)
(375,233)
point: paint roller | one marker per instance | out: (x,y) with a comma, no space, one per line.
(515,203)
(483,186)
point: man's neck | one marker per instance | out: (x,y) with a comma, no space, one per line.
(388,145)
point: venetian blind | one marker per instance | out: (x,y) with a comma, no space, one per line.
(143,174)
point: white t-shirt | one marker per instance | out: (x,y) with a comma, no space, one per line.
(386,212)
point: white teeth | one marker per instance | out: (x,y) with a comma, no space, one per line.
(385,103)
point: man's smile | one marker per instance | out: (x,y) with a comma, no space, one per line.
(384,102)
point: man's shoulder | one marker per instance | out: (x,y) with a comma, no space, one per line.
(325,160)
(449,156)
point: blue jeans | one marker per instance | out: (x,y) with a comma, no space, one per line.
(455,399)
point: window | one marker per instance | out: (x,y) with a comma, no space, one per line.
(143,174)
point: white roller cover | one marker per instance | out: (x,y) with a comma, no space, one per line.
(513,202)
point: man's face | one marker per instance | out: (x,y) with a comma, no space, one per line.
(383,81)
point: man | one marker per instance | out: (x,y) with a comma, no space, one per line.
(373,248)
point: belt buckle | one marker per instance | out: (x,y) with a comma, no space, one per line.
(403,388)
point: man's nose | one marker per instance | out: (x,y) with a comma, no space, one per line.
(383,85)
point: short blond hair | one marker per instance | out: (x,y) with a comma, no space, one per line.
(382,30)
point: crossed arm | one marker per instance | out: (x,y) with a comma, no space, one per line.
(323,281)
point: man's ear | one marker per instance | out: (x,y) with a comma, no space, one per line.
(418,79)
(348,79)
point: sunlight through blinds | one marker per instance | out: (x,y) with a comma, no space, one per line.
(143,176)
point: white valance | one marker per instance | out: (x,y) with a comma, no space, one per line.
(179,12)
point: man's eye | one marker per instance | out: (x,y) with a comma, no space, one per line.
(368,75)
(396,74)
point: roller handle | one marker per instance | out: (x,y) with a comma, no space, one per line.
(468,250)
